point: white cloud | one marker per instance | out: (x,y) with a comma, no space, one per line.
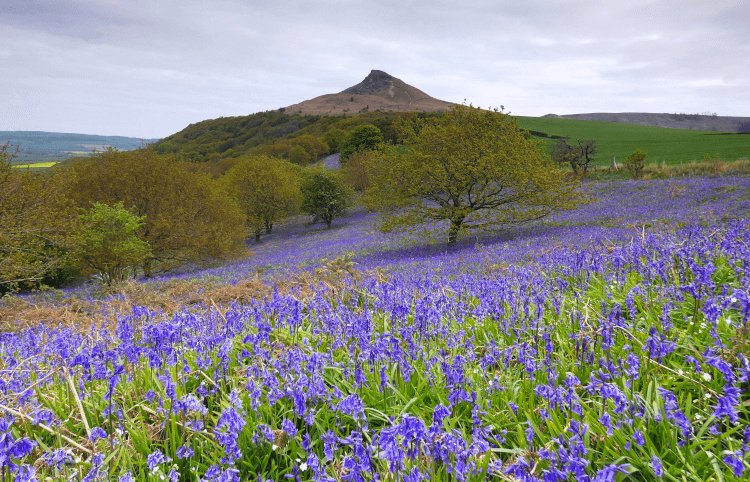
(149,67)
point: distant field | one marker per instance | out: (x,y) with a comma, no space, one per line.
(54,146)
(672,146)
(35,165)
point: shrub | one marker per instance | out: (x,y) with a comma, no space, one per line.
(635,163)
(107,243)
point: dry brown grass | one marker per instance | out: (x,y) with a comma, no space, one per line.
(334,278)
(708,167)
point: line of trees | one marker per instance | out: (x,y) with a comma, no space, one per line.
(121,213)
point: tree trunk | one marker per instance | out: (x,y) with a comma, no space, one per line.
(269,226)
(147,268)
(257,235)
(453,231)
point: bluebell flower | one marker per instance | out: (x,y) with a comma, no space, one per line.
(58,458)
(657,466)
(734,461)
(127,477)
(97,433)
(608,473)
(155,459)
(288,427)
(726,404)
(185,451)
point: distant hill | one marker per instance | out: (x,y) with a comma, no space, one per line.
(675,121)
(46,146)
(379,91)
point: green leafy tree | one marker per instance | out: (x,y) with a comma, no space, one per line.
(325,196)
(35,220)
(365,137)
(635,163)
(579,157)
(356,171)
(189,218)
(298,155)
(335,138)
(469,167)
(107,242)
(267,189)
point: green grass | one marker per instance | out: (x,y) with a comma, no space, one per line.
(673,146)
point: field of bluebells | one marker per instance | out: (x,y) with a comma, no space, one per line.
(606,344)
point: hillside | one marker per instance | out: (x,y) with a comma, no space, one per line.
(230,137)
(379,91)
(673,121)
(56,146)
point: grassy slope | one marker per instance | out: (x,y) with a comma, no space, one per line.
(672,146)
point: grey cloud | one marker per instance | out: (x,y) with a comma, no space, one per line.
(149,68)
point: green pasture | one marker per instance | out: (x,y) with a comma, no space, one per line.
(673,146)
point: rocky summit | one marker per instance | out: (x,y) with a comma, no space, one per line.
(379,91)
(377,81)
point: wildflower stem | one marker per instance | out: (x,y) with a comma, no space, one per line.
(78,402)
(48,429)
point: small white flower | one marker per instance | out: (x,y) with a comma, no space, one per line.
(698,416)
(707,395)
(303,467)
(706,376)
(274,447)
(733,299)
(680,372)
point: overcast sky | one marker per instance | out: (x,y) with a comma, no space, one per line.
(148,68)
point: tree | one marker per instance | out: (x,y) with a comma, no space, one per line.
(469,167)
(298,155)
(365,137)
(356,171)
(266,189)
(635,163)
(35,219)
(106,241)
(189,219)
(324,195)
(335,139)
(579,157)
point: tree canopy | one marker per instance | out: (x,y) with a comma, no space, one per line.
(189,220)
(580,156)
(472,168)
(365,137)
(325,196)
(266,189)
(35,218)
